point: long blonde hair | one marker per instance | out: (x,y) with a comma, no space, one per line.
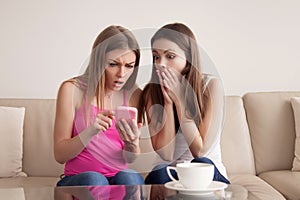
(92,81)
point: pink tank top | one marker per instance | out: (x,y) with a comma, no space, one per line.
(103,154)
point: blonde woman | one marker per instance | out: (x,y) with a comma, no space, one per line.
(94,147)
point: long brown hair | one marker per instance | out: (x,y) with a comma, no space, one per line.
(195,95)
(92,81)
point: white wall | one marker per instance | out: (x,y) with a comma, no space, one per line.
(254,44)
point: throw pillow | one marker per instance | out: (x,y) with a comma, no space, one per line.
(11,141)
(296,108)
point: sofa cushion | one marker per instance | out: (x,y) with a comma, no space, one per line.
(28,182)
(38,155)
(256,187)
(271,124)
(285,181)
(236,148)
(296,109)
(41,193)
(12,193)
(11,141)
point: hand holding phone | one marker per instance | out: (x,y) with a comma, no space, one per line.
(128,131)
(126,112)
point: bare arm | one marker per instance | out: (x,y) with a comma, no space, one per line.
(162,133)
(66,147)
(214,115)
(194,135)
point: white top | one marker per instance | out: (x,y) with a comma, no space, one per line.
(182,152)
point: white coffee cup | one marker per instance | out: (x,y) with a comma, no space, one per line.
(193,175)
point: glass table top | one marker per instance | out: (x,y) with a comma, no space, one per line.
(155,192)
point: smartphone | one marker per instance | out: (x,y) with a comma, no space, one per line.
(126,112)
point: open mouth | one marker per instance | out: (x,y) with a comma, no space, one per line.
(119,83)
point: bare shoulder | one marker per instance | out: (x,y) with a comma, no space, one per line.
(66,86)
(69,93)
(214,85)
(66,89)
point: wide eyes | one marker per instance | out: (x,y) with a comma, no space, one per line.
(169,56)
(155,57)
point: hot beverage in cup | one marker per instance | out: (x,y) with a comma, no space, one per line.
(193,175)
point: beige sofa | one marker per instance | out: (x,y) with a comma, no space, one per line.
(258,143)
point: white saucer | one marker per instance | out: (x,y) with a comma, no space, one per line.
(215,185)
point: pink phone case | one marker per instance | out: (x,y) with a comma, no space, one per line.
(126,112)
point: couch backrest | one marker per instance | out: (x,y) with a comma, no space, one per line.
(269,115)
(236,146)
(272,129)
(38,156)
